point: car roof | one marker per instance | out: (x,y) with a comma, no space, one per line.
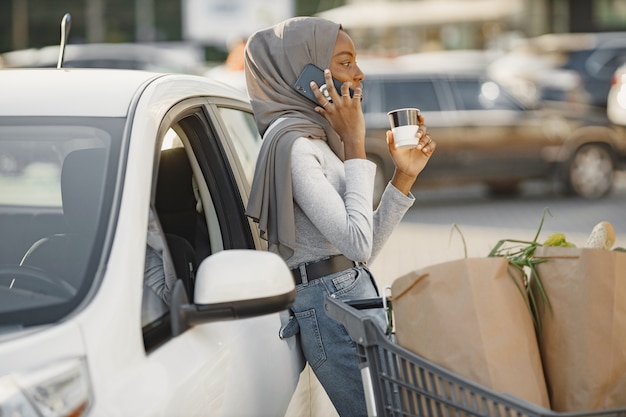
(569,42)
(398,73)
(93,92)
(170,57)
(427,63)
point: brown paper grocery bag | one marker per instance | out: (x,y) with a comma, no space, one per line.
(583,342)
(470,317)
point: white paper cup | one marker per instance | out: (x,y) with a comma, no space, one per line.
(404,125)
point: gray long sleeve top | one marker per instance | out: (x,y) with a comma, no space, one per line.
(333,205)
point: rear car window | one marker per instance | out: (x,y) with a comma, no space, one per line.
(398,94)
(476,94)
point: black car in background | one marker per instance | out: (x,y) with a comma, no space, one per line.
(485,135)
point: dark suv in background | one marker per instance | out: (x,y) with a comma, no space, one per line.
(485,135)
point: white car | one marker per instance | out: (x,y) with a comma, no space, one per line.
(616,102)
(87,155)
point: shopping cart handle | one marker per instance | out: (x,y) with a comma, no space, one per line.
(360,327)
(364,303)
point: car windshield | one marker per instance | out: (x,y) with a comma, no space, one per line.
(57,178)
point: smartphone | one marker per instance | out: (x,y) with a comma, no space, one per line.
(314,73)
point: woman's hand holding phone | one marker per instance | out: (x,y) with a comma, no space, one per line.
(310,73)
(344,113)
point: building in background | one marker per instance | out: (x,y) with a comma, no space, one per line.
(218,22)
(379,25)
(394,27)
(399,27)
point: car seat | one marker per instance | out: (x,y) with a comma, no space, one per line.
(66,255)
(182,221)
(184,260)
(177,204)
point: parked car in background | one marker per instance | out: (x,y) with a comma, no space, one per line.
(176,57)
(568,67)
(82,331)
(485,135)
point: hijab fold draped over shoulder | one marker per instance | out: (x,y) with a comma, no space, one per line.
(274,58)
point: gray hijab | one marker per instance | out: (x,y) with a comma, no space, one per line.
(274,58)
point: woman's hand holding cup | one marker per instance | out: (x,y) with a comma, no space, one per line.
(410,146)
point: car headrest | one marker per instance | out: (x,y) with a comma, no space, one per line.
(82,179)
(175,199)
(174,186)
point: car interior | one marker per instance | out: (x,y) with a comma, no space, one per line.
(65,254)
(181,218)
(177,203)
(177,206)
(51,208)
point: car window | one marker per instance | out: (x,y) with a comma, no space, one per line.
(57,177)
(31,158)
(398,94)
(30,171)
(476,94)
(171,140)
(604,62)
(245,135)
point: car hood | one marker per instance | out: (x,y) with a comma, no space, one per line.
(21,351)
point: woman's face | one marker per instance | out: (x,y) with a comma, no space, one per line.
(343,61)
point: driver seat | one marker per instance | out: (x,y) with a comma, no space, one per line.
(66,255)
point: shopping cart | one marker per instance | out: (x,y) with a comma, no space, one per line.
(399,382)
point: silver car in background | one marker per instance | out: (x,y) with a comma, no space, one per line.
(486,135)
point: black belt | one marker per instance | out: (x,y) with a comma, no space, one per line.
(322,268)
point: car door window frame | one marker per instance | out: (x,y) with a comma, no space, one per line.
(221,175)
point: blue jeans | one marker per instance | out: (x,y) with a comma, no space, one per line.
(326,345)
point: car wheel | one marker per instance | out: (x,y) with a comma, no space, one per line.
(590,172)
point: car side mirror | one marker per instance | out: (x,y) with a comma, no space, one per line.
(233,284)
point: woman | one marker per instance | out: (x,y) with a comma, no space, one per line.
(313,189)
